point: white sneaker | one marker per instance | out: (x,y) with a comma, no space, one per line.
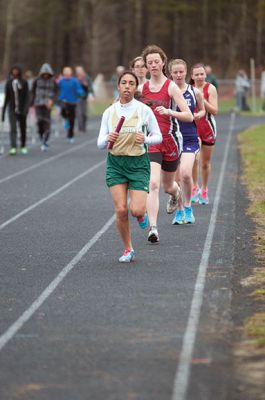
(153,235)
(172,203)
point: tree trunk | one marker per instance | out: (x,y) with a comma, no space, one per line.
(10,23)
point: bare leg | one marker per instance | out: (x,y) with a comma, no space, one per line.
(169,183)
(138,203)
(206,156)
(119,196)
(186,166)
(153,196)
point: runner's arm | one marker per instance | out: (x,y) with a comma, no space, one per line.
(152,127)
(200,104)
(184,114)
(104,133)
(212,104)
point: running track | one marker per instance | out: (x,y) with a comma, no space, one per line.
(76,324)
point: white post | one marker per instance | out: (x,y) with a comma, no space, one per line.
(253,84)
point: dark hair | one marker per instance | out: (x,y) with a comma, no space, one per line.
(129,73)
(198,65)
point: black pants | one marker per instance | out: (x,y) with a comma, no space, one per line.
(68,112)
(21,120)
(43,115)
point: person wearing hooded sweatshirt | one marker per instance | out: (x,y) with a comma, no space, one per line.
(17,103)
(44,93)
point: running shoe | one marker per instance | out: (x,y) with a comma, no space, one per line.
(195,194)
(128,256)
(24,150)
(13,151)
(189,217)
(143,221)
(44,147)
(203,198)
(153,235)
(172,203)
(70,140)
(179,218)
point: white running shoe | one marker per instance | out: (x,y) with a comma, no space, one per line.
(153,235)
(172,203)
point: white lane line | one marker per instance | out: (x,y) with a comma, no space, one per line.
(183,372)
(47,160)
(14,328)
(41,201)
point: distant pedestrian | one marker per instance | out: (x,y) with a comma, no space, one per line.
(17,102)
(83,104)
(44,93)
(70,92)
(262,90)
(210,77)
(114,80)
(29,78)
(128,164)
(242,86)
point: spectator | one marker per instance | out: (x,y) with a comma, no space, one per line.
(29,78)
(17,102)
(70,92)
(242,86)
(82,105)
(262,90)
(114,81)
(210,77)
(44,92)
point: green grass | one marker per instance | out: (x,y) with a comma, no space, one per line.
(227,105)
(252,148)
(253,151)
(96,108)
(255,328)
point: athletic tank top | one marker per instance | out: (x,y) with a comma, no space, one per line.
(189,129)
(206,124)
(125,144)
(168,125)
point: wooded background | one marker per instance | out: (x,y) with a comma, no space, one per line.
(101,34)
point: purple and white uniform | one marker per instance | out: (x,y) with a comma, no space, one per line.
(189,129)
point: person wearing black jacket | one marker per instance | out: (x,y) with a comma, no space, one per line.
(17,103)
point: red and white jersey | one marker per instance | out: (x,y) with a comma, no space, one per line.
(206,126)
(168,125)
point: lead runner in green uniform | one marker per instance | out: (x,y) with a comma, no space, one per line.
(128,165)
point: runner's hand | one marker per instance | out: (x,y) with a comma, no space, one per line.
(162,110)
(139,137)
(112,137)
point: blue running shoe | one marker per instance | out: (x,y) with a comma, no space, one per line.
(128,256)
(179,218)
(70,140)
(189,217)
(195,194)
(143,221)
